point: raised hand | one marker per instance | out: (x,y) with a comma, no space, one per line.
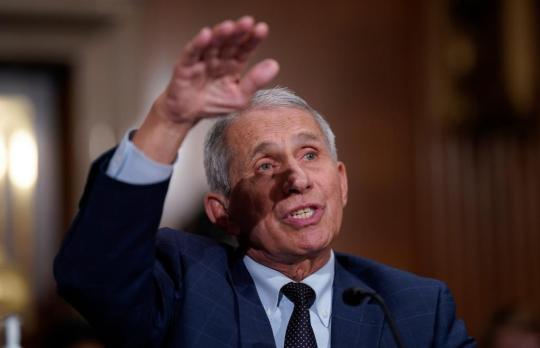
(206,82)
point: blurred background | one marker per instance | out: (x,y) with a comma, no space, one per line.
(435,104)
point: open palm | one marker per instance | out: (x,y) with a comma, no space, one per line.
(207,77)
(206,82)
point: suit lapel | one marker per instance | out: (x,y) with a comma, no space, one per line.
(254,326)
(359,326)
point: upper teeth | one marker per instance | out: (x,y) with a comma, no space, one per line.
(303,213)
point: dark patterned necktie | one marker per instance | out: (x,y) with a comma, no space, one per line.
(299,331)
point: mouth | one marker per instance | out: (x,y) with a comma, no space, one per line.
(302,213)
(304,216)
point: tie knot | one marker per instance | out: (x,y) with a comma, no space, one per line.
(299,293)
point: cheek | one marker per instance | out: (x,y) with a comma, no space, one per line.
(249,204)
(266,236)
(332,189)
(257,222)
(337,220)
(335,204)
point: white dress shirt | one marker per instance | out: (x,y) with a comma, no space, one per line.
(279,308)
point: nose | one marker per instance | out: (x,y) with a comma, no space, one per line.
(296,179)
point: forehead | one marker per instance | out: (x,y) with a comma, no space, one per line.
(271,125)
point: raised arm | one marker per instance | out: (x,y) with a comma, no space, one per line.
(206,82)
(109,267)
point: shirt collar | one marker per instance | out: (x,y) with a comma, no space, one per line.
(269,282)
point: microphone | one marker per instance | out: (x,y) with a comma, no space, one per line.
(354,296)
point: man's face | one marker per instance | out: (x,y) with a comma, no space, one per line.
(288,193)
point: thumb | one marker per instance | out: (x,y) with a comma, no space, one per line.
(258,76)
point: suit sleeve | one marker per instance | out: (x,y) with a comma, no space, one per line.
(450,332)
(106,267)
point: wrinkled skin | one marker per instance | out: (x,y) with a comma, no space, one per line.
(282,164)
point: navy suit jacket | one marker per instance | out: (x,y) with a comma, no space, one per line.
(140,288)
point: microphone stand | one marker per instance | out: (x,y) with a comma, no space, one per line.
(354,296)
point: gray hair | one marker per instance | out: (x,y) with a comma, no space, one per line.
(216,150)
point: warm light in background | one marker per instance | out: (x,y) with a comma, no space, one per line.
(18,144)
(3,157)
(519,40)
(23,159)
(19,176)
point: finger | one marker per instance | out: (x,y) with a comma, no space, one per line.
(259,33)
(243,29)
(259,76)
(220,34)
(193,51)
(246,22)
(228,36)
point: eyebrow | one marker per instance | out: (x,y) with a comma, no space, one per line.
(262,148)
(298,138)
(306,137)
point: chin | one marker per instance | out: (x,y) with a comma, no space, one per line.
(315,240)
(313,250)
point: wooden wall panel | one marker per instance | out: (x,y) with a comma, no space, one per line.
(478,166)
(483,235)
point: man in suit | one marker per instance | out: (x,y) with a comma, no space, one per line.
(276,185)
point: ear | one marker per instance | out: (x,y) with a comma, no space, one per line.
(342,173)
(215,206)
